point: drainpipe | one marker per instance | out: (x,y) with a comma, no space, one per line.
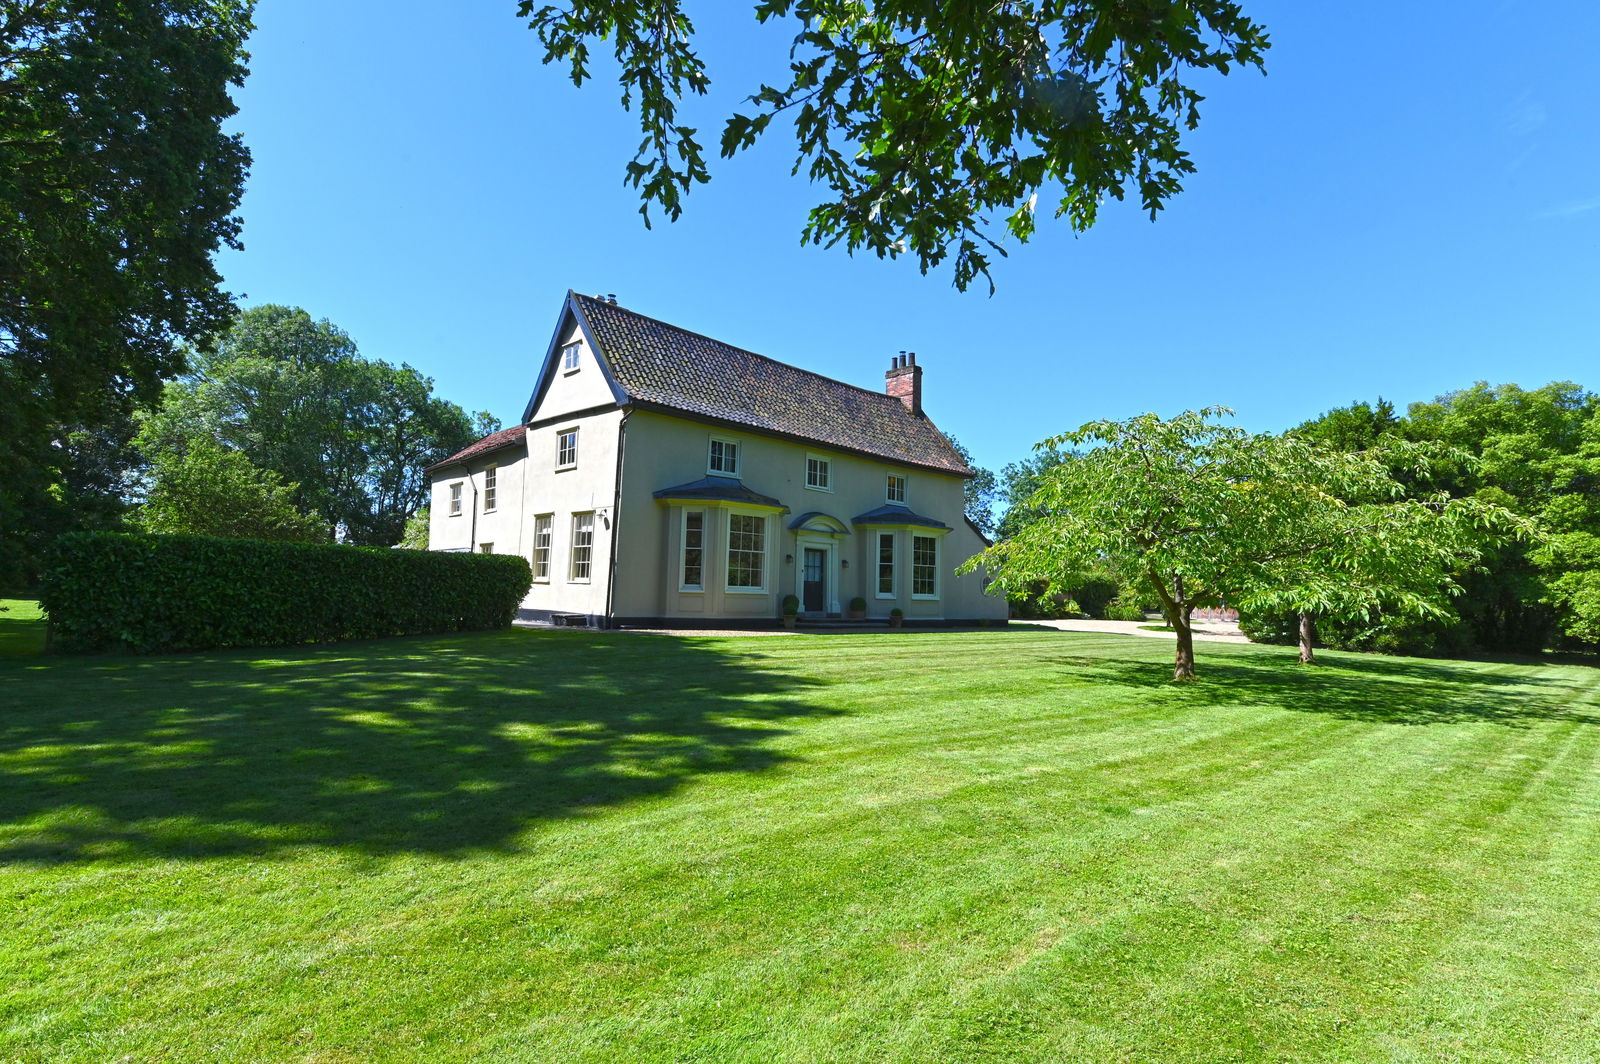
(616,519)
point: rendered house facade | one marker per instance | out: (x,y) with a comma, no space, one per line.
(662,476)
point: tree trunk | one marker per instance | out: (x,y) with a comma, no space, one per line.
(1177,612)
(1308,634)
(1183,661)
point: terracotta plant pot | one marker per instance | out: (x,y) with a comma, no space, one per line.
(788,621)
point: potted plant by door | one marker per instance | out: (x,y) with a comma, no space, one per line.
(791,610)
(897,617)
(858,609)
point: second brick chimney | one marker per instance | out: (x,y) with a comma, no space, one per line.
(904,381)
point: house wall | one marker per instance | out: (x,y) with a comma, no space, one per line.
(590,487)
(663,451)
(531,485)
(474,526)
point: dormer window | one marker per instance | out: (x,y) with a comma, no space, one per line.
(895,488)
(724,459)
(569,358)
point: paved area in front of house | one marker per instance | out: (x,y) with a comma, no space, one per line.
(1204,631)
(1207,631)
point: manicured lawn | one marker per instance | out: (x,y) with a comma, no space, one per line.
(1007,846)
(21,628)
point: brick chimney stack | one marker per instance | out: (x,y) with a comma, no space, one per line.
(904,381)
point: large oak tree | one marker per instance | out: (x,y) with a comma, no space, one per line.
(117,184)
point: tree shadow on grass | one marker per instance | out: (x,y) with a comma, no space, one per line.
(1366,688)
(444,745)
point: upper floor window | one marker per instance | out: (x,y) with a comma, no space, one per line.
(455,499)
(569,358)
(895,488)
(541,546)
(566,448)
(819,473)
(724,457)
(489,477)
(582,547)
(924,567)
(694,554)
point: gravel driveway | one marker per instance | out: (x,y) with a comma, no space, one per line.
(1206,631)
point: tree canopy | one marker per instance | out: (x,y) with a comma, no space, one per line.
(207,490)
(934,128)
(117,183)
(295,396)
(1535,452)
(978,492)
(1210,514)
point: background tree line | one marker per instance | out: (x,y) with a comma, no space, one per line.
(283,431)
(1536,454)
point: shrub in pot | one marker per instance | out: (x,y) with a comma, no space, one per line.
(791,610)
(897,617)
(858,608)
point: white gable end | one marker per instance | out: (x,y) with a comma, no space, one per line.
(576,380)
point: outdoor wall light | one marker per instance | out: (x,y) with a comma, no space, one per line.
(845,564)
(788,559)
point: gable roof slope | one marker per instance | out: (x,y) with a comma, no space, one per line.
(515,436)
(661,365)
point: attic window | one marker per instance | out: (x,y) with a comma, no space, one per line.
(569,358)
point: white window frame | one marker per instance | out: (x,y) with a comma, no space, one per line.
(827,466)
(548,523)
(573,463)
(456,498)
(766,554)
(491,488)
(889,482)
(711,449)
(894,564)
(571,357)
(683,552)
(936,581)
(572,551)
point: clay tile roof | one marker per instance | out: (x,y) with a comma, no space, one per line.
(663,365)
(515,436)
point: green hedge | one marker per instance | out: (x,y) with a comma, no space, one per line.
(109,591)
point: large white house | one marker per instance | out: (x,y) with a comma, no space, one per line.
(662,476)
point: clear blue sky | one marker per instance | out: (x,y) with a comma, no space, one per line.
(1408,202)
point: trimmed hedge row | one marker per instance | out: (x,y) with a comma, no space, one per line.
(146,593)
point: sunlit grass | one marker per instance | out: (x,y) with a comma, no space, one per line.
(887,847)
